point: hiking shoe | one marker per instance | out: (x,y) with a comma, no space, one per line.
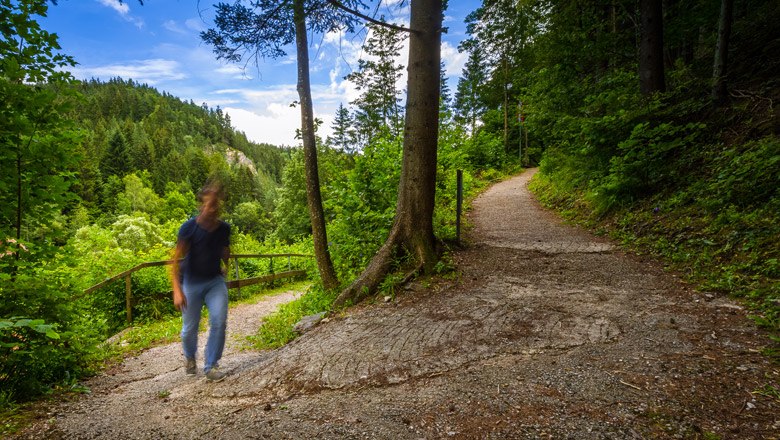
(190,367)
(215,375)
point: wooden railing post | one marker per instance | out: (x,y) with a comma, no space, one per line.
(129,298)
(271,269)
(235,263)
(458,204)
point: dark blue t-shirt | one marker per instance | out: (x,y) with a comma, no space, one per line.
(205,249)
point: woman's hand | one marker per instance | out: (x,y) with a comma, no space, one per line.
(179,300)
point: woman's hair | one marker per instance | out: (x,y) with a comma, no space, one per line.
(214,188)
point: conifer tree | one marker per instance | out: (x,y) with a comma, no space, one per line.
(117,159)
(376,77)
(343,133)
(468,100)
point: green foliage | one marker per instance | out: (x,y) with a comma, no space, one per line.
(50,344)
(378,110)
(27,351)
(251,218)
(644,163)
(291,215)
(38,158)
(485,150)
(277,329)
(137,233)
(138,198)
(179,204)
(38,141)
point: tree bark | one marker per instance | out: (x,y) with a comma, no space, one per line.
(313,195)
(412,228)
(651,48)
(720,67)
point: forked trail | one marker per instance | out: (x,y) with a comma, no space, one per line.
(544,331)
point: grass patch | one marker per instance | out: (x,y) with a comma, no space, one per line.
(277,328)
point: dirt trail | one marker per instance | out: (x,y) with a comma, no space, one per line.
(545,332)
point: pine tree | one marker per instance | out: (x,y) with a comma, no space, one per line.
(116,161)
(343,133)
(468,102)
(378,105)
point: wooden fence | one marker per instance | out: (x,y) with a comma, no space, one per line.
(235,283)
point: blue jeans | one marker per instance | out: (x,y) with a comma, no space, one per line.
(213,292)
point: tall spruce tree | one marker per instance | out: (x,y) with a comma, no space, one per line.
(117,160)
(378,105)
(468,103)
(343,133)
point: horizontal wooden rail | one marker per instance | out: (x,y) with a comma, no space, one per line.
(269,255)
(232,284)
(126,273)
(166,262)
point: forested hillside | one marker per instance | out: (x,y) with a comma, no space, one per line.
(99,189)
(134,129)
(96,177)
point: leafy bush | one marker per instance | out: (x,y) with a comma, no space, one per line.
(29,351)
(45,336)
(645,163)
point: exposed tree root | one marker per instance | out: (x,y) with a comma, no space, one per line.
(368,282)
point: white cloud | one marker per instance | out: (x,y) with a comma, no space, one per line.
(195,24)
(174,27)
(278,129)
(123,9)
(453,60)
(151,71)
(189,26)
(234,72)
(267,116)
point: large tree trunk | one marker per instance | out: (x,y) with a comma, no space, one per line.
(651,48)
(720,68)
(412,229)
(313,196)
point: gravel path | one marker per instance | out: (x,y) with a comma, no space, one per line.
(545,332)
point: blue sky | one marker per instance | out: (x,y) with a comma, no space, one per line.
(158,44)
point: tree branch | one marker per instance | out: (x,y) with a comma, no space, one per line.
(370,19)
